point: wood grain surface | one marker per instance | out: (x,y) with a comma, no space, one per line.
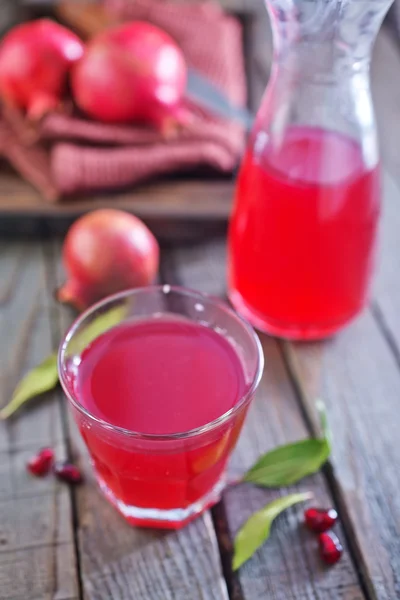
(358,374)
(37,556)
(287,567)
(188,199)
(118,561)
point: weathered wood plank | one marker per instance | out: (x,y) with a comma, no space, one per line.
(118,561)
(229,5)
(121,562)
(35,574)
(193,199)
(37,558)
(359,379)
(387,287)
(386,93)
(288,565)
(358,375)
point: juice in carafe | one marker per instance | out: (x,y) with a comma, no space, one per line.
(303,233)
(302,239)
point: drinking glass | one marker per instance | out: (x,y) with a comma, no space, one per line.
(160,480)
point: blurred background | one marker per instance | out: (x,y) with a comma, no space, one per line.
(178,179)
(71,158)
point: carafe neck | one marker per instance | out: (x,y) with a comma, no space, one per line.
(325,37)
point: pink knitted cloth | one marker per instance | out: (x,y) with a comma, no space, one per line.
(83,155)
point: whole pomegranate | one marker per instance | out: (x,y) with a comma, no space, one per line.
(35,59)
(104,252)
(132,72)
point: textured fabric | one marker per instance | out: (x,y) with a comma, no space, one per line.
(85,155)
(121,166)
(31,162)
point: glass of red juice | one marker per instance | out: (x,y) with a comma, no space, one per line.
(159,381)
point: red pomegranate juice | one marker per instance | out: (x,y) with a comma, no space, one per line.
(161,376)
(302,236)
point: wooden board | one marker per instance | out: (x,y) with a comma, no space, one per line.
(173,209)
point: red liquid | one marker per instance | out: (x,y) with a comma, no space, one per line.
(302,236)
(160,376)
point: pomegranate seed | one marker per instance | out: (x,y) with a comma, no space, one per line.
(319,520)
(68,472)
(330,547)
(40,463)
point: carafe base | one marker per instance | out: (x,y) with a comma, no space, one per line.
(285,330)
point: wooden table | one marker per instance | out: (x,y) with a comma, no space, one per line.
(62,544)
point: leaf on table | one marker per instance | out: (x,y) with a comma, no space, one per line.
(100,324)
(42,378)
(257,528)
(323,419)
(288,464)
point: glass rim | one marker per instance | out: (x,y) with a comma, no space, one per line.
(226,416)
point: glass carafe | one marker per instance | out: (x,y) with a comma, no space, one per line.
(302,236)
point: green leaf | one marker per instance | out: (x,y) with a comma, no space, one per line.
(45,376)
(92,330)
(257,528)
(39,380)
(288,464)
(320,406)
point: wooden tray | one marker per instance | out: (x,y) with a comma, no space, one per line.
(174,207)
